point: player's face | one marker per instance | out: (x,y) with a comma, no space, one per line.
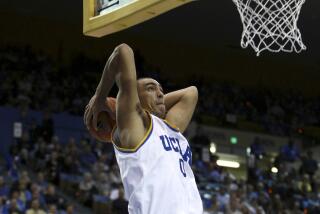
(151,96)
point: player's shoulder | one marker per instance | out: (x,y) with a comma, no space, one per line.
(120,138)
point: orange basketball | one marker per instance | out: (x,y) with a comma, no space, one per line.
(105,122)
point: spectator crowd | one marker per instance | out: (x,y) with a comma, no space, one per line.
(279,113)
(293,188)
(34,80)
(39,164)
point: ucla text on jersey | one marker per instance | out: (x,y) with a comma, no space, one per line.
(172,144)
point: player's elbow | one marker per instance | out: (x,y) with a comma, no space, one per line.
(192,93)
(124,50)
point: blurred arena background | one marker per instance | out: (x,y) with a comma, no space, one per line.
(255,134)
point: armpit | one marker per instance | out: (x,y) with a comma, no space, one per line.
(116,137)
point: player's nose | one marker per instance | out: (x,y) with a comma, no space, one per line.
(159,93)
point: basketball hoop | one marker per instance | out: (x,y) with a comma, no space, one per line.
(271,25)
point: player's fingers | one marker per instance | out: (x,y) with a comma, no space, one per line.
(88,117)
(85,114)
(92,100)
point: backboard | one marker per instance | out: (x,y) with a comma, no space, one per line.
(103,17)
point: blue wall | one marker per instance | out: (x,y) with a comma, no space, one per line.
(65,126)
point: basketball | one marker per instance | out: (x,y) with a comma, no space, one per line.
(105,122)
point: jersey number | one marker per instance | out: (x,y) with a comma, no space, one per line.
(172,144)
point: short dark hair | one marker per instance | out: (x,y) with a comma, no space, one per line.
(143,77)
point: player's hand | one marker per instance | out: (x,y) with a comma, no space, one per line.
(95,106)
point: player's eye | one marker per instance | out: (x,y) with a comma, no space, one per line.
(150,88)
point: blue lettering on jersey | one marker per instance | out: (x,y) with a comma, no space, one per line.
(188,156)
(183,171)
(180,150)
(173,144)
(165,143)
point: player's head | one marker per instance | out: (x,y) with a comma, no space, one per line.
(151,96)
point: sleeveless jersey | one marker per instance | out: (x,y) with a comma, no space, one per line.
(157,174)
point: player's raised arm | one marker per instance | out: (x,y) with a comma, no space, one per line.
(131,121)
(181,105)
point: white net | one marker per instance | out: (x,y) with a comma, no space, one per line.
(271,25)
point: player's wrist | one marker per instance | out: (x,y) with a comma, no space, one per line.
(100,98)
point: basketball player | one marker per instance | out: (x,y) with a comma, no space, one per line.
(153,156)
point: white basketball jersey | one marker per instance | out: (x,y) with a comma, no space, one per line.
(157,174)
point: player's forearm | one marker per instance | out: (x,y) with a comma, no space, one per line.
(170,99)
(174,97)
(119,68)
(108,75)
(125,77)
